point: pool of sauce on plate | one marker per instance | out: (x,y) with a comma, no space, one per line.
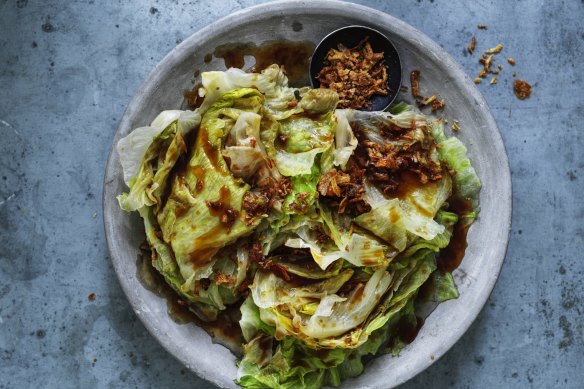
(192,97)
(451,256)
(407,331)
(225,330)
(292,55)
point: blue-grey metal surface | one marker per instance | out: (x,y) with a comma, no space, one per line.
(67,72)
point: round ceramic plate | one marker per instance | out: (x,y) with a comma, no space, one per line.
(311,21)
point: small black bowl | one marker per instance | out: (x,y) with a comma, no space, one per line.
(351,36)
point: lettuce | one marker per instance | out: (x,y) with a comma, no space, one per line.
(294,164)
(132,148)
(148,154)
(315,313)
(271,292)
(374,120)
(303,194)
(333,319)
(251,324)
(329,291)
(319,101)
(247,154)
(443,287)
(393,219)
(303,134)
(194,242)
(292,365)
(345,140)
(454,153)
(305,138)
(360,249)
(271,82)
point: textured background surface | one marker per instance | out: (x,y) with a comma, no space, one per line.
(67,71)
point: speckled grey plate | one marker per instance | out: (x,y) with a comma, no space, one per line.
(487,238)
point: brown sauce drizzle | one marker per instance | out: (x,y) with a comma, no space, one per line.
(203,256)
(178,171)
(426,291)
(210,150)
(408,182)
(265,345)
(225,330)
(221,209)
(293,56)
(180,209)
(407,331)
(192,96)
(227,216)
(451,256)
(199,174)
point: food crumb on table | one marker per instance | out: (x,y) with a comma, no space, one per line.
(473,44)
(522,89)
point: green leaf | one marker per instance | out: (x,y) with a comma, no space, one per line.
(455,154)
(251,323)
(149,153)
(303,194)
(345,140)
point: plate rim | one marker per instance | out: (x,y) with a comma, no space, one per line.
(279,7)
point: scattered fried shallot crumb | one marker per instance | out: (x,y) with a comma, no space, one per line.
(222,278)
(514,74)
(91,297)
(483,73)
(486,61)
(522,89)
(473,44)
(494,50)
(385,165)
(494,81)
(482,26)
(455,126)
(344,190)
(415,87)
(511,61)
(429,100)
(260,200)
(477,80)
(438,104)
(415,83)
